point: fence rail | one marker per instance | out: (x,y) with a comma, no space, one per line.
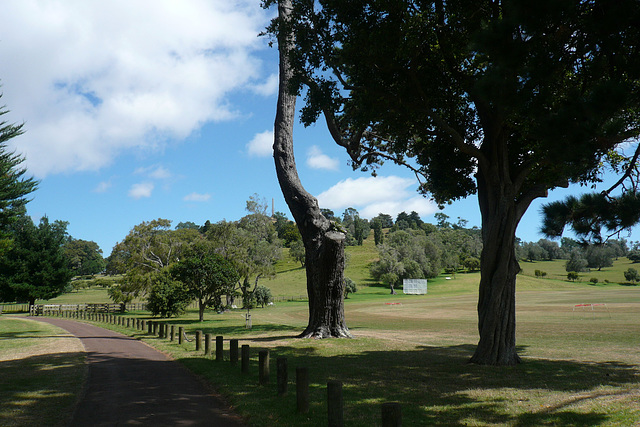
(44,309)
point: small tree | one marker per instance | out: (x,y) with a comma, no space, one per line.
(632,275)
(167,297)
(206,276)
(471,264)
(572,276)
(349,287)
(634,256)
(576,262)
(262,294)
(296,251)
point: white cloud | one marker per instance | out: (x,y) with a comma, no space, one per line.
(316,159)
(102,187)
(269,87)
(195,197)
(92,79)
(261,145)
(373,195)
(154,172)
(140,190)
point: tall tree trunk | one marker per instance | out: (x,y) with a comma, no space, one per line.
(499,267)
(324,245)
(201,307)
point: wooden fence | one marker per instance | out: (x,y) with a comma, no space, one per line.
(45,309)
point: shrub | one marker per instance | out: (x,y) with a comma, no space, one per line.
(349,287)
(167,297)
(593,280)
(471,264)
(540,273)
(632,275)
(262,295)
(572,276)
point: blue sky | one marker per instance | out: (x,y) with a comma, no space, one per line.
(161,109)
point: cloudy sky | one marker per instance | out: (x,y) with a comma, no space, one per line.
(136,110)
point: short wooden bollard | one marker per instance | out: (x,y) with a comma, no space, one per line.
(128,322)
(161,328)
(198,340)
(283,375)
(180,334)
(263,364)
(302,390)
(335,404)
(207,344)
(391,414)
(138,324)
(244,364)
(233,351)
(219,348)
(172,333)
(143,325)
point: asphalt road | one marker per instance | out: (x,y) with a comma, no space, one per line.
(132,384)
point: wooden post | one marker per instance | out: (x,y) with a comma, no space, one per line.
(335,404)
(245,358)
(302,390)
(128,322)
(150,327)
(283,375)
(198,340)
(263,363)
(172,333)
(180,334)
(143,325)
(219,348)
(233,351)
(161,328)
(391,414)
(207,344)
(155,328)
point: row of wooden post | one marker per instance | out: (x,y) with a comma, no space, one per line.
(391,412)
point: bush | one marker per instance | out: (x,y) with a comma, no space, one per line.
(262,295)
(572,276)
(471,264)
(593,280)
(632,275)
(349,287)
(167,297)
(540,273)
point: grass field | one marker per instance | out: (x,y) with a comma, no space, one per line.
(580,367)
(41,373)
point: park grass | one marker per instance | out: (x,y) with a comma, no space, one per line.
(580,368)
(41,373)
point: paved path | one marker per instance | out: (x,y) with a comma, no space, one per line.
(130,383)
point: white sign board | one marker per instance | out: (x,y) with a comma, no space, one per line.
(414,286)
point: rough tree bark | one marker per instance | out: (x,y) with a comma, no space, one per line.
(324,244)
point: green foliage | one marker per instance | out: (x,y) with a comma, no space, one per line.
(14,185)
(593,280)
(35,267)
(634,256)
(572,276)
(349,287)
(85,257)
(632,275)
(378,235)
(297,252)
(167,297)
(471,264)
(262,295)
(599,256)
(540,273)
(576,262)
(206,276)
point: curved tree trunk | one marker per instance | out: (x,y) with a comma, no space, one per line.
(323,244)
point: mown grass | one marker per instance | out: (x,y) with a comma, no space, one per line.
(36,389)
(579,368)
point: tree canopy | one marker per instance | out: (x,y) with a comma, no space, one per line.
(15,186)
(503,99)
(35,266)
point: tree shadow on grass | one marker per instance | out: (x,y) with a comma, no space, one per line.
(40,390)
(436,386)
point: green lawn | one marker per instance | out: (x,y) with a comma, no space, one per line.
(581,367)
(40,381)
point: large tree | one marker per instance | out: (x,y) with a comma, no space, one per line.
(15,186)
(85,257)
(324,242)
(35,266)
(505,99)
